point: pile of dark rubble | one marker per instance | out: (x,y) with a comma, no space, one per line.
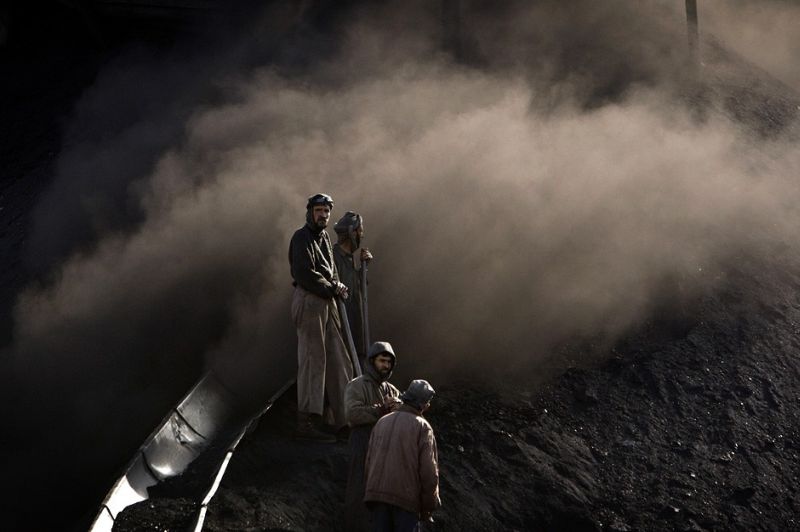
(696,430)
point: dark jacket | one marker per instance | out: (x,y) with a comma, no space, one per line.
(363,394)
(351,278)
(311,261)
(345,268)
(402,465)
(363,400)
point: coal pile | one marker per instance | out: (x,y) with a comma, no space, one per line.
(688,423)
(694,430)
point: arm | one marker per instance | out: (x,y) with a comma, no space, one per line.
(303,268)
(428,472)
(392,389)
(391,398)
(357,411)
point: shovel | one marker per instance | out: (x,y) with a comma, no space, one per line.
(364,307)
(351,346)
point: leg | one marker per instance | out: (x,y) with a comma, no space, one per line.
(381,517)
(310,316)
(404,521)
(356,514)
(310,313)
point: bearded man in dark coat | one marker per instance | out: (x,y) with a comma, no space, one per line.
(367,399)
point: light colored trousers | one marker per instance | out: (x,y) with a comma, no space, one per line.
(323,364)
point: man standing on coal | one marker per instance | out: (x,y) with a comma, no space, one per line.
(402,466)
(323,365)
(366,399)
(350,232)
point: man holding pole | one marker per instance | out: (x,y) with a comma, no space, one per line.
(351,264)
(323,365)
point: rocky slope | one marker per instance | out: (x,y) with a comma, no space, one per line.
(694,431)
(690,423)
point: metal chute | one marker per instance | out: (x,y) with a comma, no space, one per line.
(223,465)
(208,413)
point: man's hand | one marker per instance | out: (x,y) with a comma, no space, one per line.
(365,255)
(390,404)
(340,289)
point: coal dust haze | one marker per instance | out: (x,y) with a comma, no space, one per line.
(539,182)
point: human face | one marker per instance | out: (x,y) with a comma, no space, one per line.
(383,364)
(358,236)
(320,215)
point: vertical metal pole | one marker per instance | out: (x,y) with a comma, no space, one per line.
(692,28)
(451,27)
(348,336)
(364,307)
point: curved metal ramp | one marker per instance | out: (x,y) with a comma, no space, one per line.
(201,513)
(206,414)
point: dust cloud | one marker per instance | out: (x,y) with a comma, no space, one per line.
(501,228)
(762,31)
(517,200)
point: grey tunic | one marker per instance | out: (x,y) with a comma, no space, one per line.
(351,278)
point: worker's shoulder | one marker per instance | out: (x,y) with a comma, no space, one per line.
(413,419)
(303,233)
(358,382)
(424,423)
(340,256)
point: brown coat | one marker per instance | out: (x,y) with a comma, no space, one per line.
(402,465)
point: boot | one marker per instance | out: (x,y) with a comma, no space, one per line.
(308,428)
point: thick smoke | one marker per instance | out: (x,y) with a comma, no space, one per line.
(529,198)
(762,31)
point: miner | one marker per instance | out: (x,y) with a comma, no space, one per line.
(402,469)
(323,365)
(367,398)
(350,233)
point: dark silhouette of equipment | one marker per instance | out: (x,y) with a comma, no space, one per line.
(692,29)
